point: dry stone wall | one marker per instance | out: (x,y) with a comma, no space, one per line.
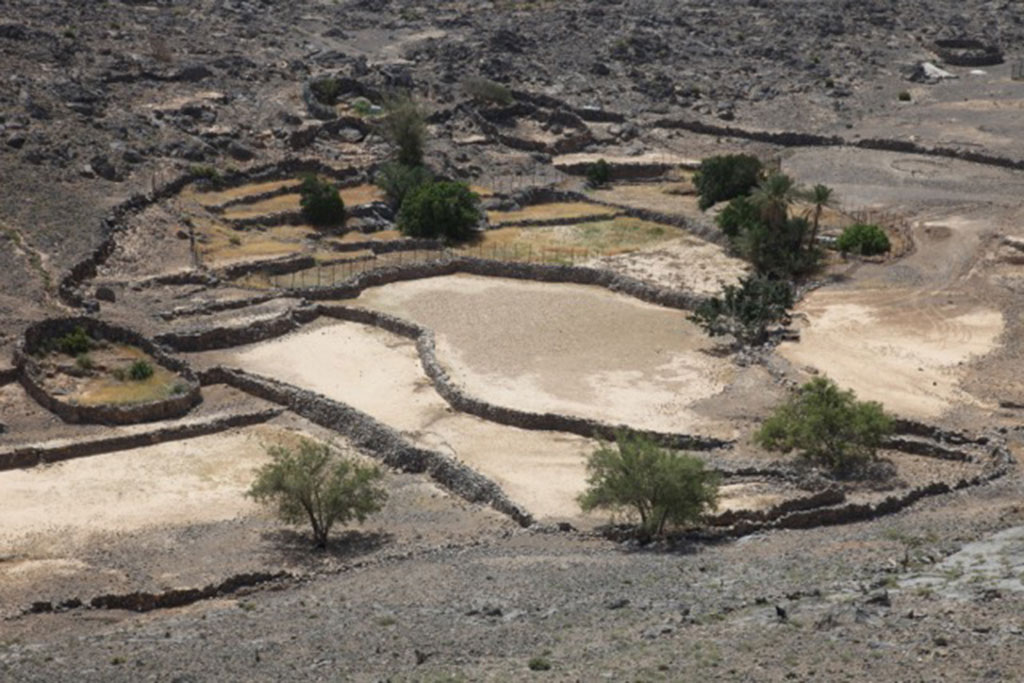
(32,378)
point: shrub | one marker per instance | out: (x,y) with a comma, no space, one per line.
(745,311)
(539,664)
(865,239)
(661,486)
(362,106)
(828,427)
(399,181)
(599,173)
(448,210)
(326,90)
(321,204)
(84,362)
(720,178)
(486,90)
(313,484)
(140,370)
(405,129)
(904,96)
(74,343)
(207,174)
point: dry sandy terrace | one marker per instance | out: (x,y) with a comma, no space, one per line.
(380,374)
(541,347)
(906,352)
(564,348)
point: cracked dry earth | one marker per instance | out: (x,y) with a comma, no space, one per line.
(104,101)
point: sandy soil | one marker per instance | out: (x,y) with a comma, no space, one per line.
(909,355)
(686,263)
(193,481)
(565,348)
(380,374)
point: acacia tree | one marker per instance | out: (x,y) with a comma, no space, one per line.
(745,311)
(312,483)
(827,426)
(660,485)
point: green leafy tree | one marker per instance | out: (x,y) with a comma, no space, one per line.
(738,215)
(398,180)
(720,178)
(745,311)
(448,210)
(321,204)
(828,427)
(661,486)
(864,239)
(599,173)
(404,127)
(313,484)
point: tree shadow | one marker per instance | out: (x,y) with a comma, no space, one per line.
(296,547)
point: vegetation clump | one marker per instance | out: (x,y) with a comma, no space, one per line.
(321,204)
(313,484)
(724,177)
(599,173)
(745,311)
(398,181)
(660,485)
(828,427)
(863,239)
(445,209)
(486,90)
(761,230)
(140,370)
(404,127)
(74,343)
(326,90)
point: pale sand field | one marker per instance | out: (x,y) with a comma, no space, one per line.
(906,353)
(686,262)
(380,374)
(565,348)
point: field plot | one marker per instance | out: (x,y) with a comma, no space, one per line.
(564,348)
(598,238)
(672,198)
(904,351)
(380,374)
(549,212)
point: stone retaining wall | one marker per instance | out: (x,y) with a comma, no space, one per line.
(31,378)
(374,438)
(30,456)
(462,401)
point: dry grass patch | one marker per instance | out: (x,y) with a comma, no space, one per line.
(673,198)
(601,238)
(278,204)
(220,244)
(361,194)
(544,212)
(102,377)
(225,196)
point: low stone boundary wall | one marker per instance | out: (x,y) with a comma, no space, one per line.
(249,333)
(459,399)
(30,456)
(150,411)
(859,512)
(216,307)
(374,438)
(830,496)
(177,597)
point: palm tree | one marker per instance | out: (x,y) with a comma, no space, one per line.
(820,196)
(772,198)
